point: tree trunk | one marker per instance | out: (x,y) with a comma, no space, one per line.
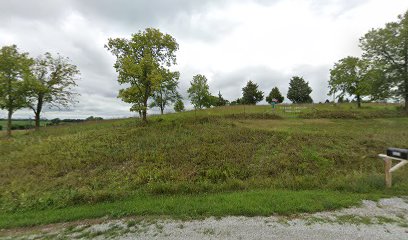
(358,101)
(37,112)
(406,89)
(161,111)
(37,121)
(10,114)
(144,118)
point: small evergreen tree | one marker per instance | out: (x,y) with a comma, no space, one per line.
(275,94)
(299,90)
(251,94)
(179,106)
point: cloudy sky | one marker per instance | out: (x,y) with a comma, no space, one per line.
(230,41)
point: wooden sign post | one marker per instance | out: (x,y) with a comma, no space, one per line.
(389,168)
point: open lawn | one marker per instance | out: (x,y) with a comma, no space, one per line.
(237,160)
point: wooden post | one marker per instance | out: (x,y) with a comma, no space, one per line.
(388,177)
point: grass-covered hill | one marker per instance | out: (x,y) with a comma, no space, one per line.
(325,152)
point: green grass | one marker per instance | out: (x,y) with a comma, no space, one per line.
(16,122)
(216,151)
(248,203)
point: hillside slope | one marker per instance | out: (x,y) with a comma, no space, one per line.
(225,149)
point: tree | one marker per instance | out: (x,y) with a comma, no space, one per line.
(275,94)
(299,90)
(179,105)
(166,93)
(199,92)
(387,50)
(53,81)
(14,76)
(220,100)
(251,94)
(140,62)
(351,76)
(236,102)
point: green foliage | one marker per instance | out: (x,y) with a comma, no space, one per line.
(140,62)
(275,94)
(251,94)
(387,50)
(236,102)
(55,121)
(14,76)
(90,118)
(220,101)
(351,76)
(179,106)
(299,90)
(199,92)
(53,81)
(167,92)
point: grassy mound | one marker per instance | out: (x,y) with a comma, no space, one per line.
(217,150)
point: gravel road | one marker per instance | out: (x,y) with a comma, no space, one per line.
(386,219)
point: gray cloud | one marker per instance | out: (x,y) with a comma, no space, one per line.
(79,29)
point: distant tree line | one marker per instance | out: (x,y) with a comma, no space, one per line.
(144,65)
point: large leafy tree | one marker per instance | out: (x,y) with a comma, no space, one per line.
(14,76)
(275,94)
(251,94)
(167,92)
(140,62)
(199,92)
(351,76)
(53,81)
(299,90)
(387,49)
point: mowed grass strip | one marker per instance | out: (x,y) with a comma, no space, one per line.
(247,203)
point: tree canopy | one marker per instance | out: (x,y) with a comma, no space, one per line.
(299,90)
(199,92)
(167,92)
(179,105)
(140,62)
(53,81)
(387,49)
(14,76)
(251,94)
(275,94)
(220,100)
(351,76)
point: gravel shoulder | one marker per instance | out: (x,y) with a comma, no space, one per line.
(385,219)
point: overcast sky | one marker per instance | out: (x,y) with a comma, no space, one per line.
(229,41)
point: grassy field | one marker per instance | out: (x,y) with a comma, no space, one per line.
(238,160)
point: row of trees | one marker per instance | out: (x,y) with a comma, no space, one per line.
(382,72)
(32,83)
(199,94)
(143,63)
